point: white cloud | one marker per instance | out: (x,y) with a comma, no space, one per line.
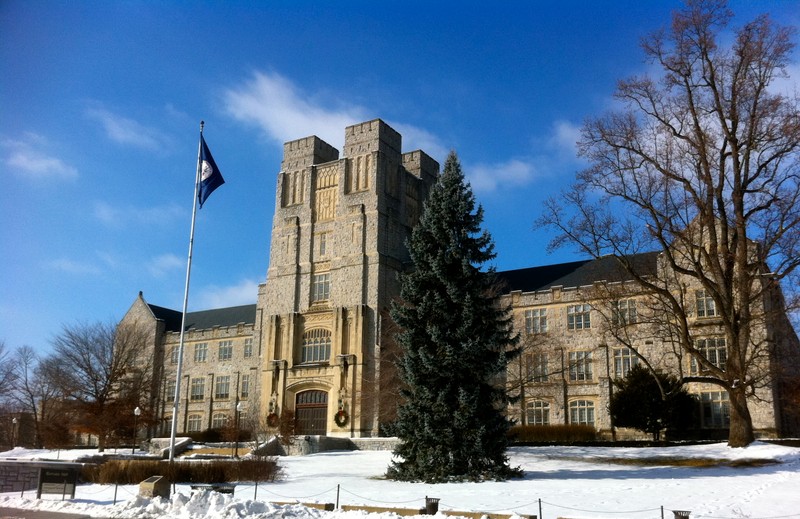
(563,139)
(419,139)
(72,267)
(164,264)
(120,216)
(243,293)
(486,178)
(283,112)
(29,158)
(126,131)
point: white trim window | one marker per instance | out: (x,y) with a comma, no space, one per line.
(225,350)
(536,321)
(198,389)
(244,386)
(537,367)
(623,312)
(538,413)
(579,317)
(624,360)
(715,410)
(223,389)
(219,420)
(248,347)
(714,350)
(581,412)
(580,366)
(201,352)
(195,422)
(321,287)
(706,306)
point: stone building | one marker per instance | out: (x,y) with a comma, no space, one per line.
(317,341)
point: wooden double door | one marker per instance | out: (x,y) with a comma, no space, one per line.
(311,413)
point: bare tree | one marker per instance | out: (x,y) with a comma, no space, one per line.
(37,393)
(104,375)
(7,375)
(701,165)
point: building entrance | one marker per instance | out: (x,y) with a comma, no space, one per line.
(311,412)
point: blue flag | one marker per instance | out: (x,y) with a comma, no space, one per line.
(210,177)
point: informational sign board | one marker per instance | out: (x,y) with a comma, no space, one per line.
(57,481)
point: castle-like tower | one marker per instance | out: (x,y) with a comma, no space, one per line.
(338,245)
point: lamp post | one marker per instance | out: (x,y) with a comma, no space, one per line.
(236,439)
(136,413)
(14,432)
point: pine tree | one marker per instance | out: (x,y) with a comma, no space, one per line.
(456,341)
(652,402)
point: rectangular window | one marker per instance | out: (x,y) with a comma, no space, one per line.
(223,389)
(244,386)
(538,413)
(578,317)
(322,244)
(248,348)
(706,307)
(537,367)
(580,366)
(321,287)
(201,352)
(225,350)
(714,350)
(623,312)
(174,355)
(581,412)
(198,391)
(169,391)
(624,360)
(715,410)
(536,321)
(195,422)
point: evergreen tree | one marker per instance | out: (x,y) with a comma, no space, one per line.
(456,341)
(651,402)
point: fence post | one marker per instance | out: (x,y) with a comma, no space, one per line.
(337,497)
(540,509)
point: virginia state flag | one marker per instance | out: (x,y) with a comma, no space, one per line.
(210,177)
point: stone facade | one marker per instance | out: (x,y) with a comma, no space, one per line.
(317,343)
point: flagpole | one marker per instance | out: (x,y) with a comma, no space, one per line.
(176,400)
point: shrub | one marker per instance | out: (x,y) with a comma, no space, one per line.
(552,433)
(130,472)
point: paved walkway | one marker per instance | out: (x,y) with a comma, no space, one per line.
(15,513)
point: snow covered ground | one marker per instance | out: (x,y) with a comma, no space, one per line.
(575,482)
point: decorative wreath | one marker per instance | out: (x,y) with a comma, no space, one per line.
(273,420)
(340,418)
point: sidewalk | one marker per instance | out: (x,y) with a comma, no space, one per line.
(15,513)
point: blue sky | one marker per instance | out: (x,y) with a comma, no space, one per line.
(100,104)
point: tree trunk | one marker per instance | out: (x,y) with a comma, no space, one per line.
(741,426)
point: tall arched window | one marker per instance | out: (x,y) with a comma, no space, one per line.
(316,346)
(581,412)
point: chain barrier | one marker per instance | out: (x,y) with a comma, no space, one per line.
(538,502)
(376,501)
(604,511)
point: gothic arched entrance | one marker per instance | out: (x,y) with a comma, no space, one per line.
(311,412)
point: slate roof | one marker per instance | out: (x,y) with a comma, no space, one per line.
(575,273)
(205,319)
